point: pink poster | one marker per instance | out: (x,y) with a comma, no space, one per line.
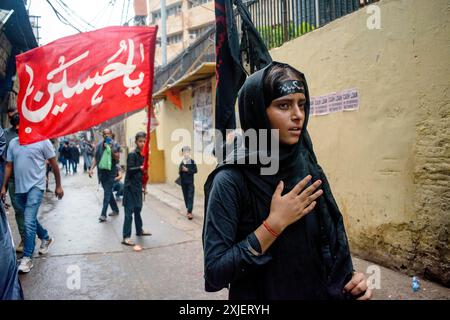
(350,99)
(321,106)
(335,102)
(312,106)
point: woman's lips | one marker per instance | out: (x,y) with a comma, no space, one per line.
(296,131)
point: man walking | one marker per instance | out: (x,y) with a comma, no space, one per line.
(65,155)
(11,133)
(28,163)
(106,175)
(74,157)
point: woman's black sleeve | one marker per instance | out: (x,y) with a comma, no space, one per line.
(226,259)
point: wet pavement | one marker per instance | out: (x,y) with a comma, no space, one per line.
(88,261)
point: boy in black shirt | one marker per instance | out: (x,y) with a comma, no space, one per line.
(187,170)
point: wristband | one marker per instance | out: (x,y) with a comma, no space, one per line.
(268,228)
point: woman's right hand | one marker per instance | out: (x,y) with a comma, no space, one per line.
(287,209)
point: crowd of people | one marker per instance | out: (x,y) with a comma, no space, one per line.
(70,152)
(25,172)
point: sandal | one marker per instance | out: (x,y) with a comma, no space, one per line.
(190,216)
(128,242)
(144,233)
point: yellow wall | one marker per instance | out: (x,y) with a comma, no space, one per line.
(157,171)
(134,124)
(170,119)
(388,163)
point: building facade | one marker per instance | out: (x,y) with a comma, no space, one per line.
(16,36)
(186,21)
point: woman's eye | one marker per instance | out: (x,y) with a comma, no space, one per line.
(283,106)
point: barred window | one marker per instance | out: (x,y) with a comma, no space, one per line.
(195,3)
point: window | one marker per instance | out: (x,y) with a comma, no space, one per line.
(175,38)
(174,10)
(194,33)
(170,11)
(195,3)
(156,16)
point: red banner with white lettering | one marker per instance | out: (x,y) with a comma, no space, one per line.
(79,81)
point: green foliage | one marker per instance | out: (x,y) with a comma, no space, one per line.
(273,36)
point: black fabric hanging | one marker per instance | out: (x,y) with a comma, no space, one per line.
(230,73)
(10,288)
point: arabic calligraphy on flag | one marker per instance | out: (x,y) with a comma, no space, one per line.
(79,81)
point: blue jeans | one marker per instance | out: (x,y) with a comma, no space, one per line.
(129,220)
(29,204)
(74,165)
(118,188)
(108,197)
(66,165)
(2,171)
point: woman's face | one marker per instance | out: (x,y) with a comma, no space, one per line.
(287,114)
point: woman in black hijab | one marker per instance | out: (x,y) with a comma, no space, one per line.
(276,236)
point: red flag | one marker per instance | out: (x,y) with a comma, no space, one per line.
(79,81)
(146,150)
(174,97)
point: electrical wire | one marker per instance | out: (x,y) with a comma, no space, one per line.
(68,16)
(73,13)
(123,12)
(113,3)
(128,7)
(99,15)
(62,18)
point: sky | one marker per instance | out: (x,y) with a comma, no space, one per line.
(97,13)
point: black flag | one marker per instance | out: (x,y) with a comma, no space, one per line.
(230,52)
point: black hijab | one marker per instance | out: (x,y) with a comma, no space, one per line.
(329,252)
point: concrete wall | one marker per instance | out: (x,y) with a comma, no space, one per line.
(134,124)
(388,163)
(171,118)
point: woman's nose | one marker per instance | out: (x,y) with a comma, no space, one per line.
(297,113)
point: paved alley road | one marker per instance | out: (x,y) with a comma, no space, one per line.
(170,266)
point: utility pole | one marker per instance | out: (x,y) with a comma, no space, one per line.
(163,32)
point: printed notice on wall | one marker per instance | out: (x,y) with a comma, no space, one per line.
(346,100)
(312,106)
(321,106)
(202,116)
(350,99)
(335,102)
